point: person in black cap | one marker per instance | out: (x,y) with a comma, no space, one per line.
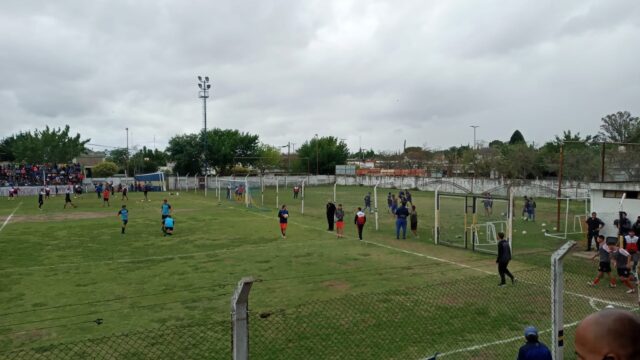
(533,349)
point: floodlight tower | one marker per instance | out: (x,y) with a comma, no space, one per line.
(204,86)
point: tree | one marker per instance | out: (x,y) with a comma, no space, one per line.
(516,138)
(53,146)
(146,161)
(620,127)
(119,157)
(6,154)
(269,157)
(186,151)
(363,154)
(323,155)
(520,161)
(227,148)
(105,169)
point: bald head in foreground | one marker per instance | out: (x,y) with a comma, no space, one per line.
(610,334)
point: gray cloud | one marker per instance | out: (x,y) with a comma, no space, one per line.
(370,72)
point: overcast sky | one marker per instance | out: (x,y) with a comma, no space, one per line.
(378,72)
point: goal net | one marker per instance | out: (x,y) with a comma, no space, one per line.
(248,192)
(472,220)
(492,216)
(452,219)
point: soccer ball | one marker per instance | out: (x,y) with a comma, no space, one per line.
(285,216)
(543,224)
(555,228)
(177,194)
(524,232)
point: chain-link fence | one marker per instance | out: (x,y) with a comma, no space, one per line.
(201,341)
(456,310)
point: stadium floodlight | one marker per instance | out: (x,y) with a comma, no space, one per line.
(206,78)
(208,86)
(200,78)
(200,86)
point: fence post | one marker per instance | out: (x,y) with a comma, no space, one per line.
(557,300)
(240,319)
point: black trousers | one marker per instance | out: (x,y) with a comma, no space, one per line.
(360,227)
(330,222)
(502,270)
(590,235)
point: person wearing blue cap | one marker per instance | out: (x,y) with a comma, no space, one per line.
(533,349)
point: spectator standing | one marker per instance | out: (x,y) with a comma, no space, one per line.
(331,212)
(402,213)
(413,217)
(487,202)
(622,224)
(360,220)
(594,225)
(339,221)
(367,203)
(533,349)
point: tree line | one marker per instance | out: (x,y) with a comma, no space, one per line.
(227,151)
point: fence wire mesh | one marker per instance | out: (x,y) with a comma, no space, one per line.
(203,341)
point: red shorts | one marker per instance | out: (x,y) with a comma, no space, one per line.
(283,226)
(340,225)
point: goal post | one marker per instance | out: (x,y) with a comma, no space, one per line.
(472,221)
(574,212)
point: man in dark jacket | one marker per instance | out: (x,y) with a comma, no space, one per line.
(331,212)
(504,256)
(594,225)
(533,349)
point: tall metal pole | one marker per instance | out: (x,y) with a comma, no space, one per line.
(475,146)
(204,86)
(126,165)
(559,194)
(289,157)
(317,157)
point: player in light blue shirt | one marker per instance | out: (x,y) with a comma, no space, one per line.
(124,216)
(168,225)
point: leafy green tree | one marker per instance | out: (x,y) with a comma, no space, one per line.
(147,161)
(227,148)
(105,169)
(323,155)
(620,127)
(119,157)
(186,151)
(269,158)
(363,154)
(6,154)
(516,138)
(47,146)
(520,161)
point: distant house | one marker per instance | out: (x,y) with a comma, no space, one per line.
(89,160)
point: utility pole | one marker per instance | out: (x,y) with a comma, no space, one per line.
(475,146)
(126,165)
(317,157)
(203,84)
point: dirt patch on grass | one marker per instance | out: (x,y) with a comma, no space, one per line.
(76,215)
(337,285)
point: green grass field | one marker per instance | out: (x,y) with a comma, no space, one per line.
(316,296)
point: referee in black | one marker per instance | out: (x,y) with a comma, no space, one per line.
(594,225)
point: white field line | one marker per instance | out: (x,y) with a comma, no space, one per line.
(6,221)
(498,342)
(586,297)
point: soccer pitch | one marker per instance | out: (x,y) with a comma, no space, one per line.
(68,275)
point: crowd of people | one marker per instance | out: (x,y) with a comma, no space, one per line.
(33,175)
(613,253)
